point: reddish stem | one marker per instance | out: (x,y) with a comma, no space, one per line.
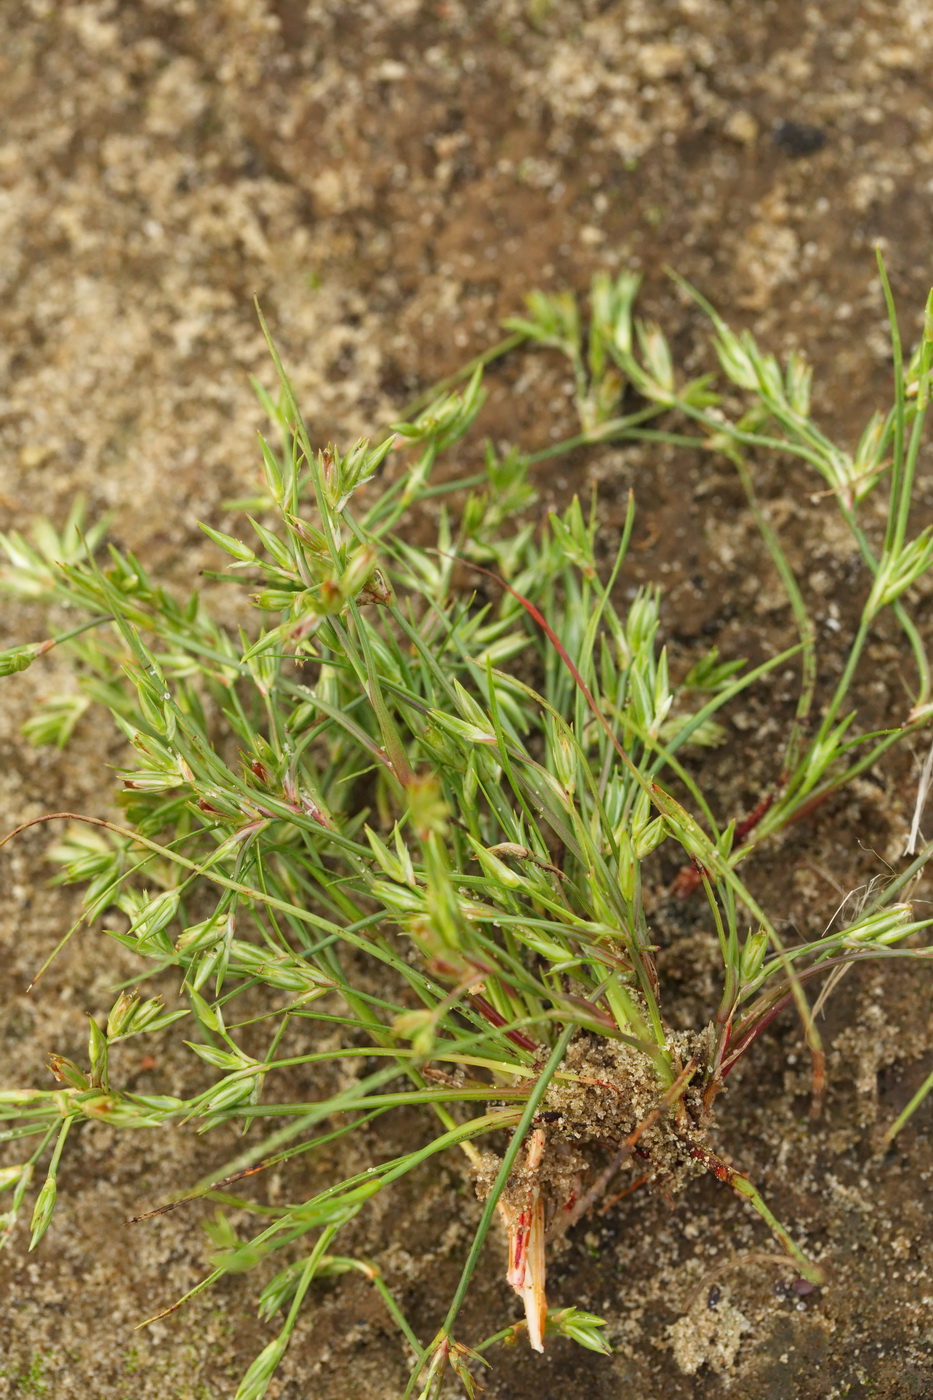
(495,1018)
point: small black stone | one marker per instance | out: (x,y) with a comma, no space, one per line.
(798,139)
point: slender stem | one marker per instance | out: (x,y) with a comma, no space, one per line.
(907,1112)
(612,428)
(492,1200)
(337,1264)
(801,615)
(76,631)
(495,352)
(900,487)
(740,1183)
(845,680)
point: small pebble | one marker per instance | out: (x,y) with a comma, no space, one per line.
(798,139)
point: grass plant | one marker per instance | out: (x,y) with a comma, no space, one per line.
(419,805)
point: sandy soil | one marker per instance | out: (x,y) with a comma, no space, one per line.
(390,177)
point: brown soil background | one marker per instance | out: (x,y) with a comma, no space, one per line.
(390,179)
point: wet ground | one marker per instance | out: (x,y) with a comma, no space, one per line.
(390,179)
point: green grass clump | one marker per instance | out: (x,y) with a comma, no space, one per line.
(418,806)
